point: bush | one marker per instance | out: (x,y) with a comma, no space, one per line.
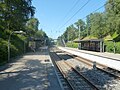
(110,47)
(16,48)
(72,44)
(17,44)
(118,47)
(3,51)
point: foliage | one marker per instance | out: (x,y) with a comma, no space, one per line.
(72,44)
(105,25)
(70,33)
(40,34)
(88,24)
(117,47)
(32,26)
(110,46)
(98,25)
(80,24)
(3,50)
(16,48)
(13,17)
(15,13)
(113,14)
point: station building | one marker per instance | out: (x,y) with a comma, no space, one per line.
(91,45)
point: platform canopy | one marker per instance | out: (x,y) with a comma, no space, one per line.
(91,44)
(89,40)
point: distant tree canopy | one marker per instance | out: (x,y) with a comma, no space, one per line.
(113,14)
(32,26)
(15,13)
(98,24)
(40,34)
(70,33)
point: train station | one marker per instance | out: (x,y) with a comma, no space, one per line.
(60,45)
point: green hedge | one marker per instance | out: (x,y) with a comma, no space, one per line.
(3,51)
(72,44)
(118,47)
(16,48)
(110,46)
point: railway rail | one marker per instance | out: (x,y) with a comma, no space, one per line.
(102,77)
(63,82)
(75,80)
(106,69)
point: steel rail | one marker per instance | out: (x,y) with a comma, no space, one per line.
(91,84)
(60,70)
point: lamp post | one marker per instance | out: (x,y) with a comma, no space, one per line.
(17,32)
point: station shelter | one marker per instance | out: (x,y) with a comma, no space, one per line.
(91,45)
(36,42)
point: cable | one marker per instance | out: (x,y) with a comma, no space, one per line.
(95,10)
(88,14)
(75,13)
(70,10)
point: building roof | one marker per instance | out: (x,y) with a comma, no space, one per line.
(89,40)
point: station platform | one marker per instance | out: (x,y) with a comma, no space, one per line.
(32,71)
(101,54)
(108,59)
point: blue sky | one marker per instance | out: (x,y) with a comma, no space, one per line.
(53,14)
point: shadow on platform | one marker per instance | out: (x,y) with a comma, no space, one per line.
(32,77)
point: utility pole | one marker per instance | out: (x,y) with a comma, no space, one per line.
(79,31)
(68,36)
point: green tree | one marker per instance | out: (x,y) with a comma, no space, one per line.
(13,17)
(69,34)
(32,26)
(40,34)
(81,24)
(113,14)
(15,13)
(98,25)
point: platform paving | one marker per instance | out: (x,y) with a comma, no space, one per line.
(33,71)
(94,57)
(103,54)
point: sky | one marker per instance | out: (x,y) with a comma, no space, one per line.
(56,15)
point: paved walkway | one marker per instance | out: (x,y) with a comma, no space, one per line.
(109,61)
(103,54)
(29,72)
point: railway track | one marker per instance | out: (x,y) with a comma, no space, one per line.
(111,71)
(103,77)
(63,82)
(103,68)
(75,81)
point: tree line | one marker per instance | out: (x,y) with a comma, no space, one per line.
(98,24)
(17,15)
